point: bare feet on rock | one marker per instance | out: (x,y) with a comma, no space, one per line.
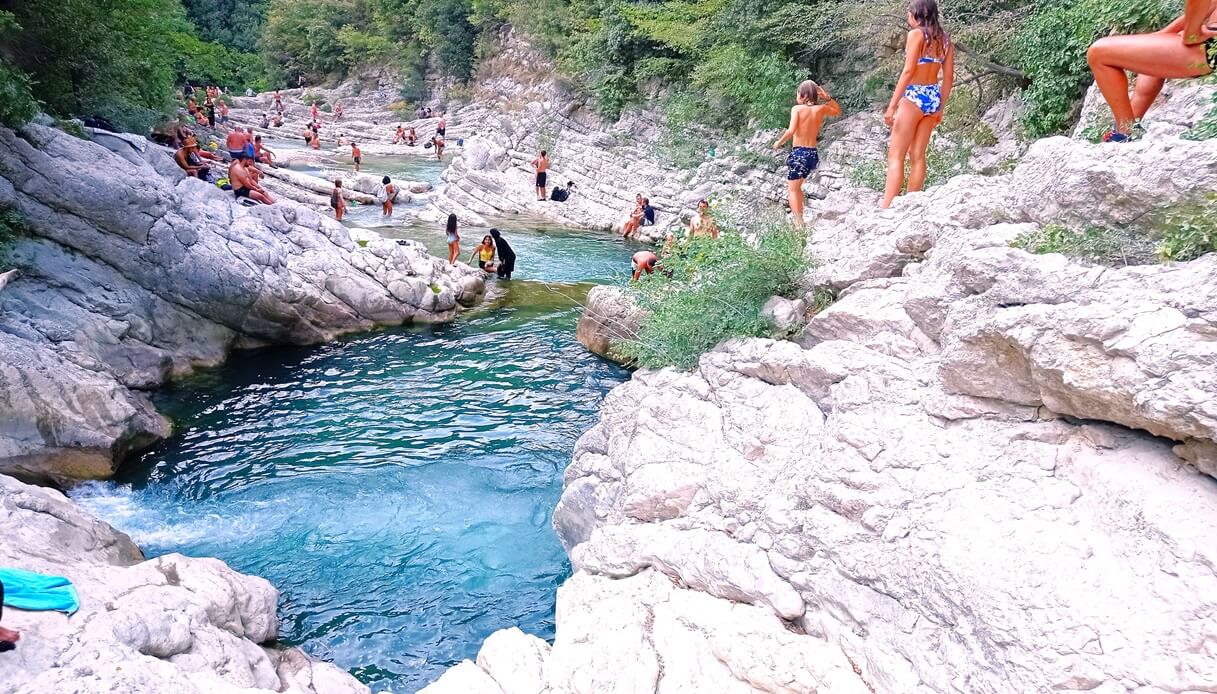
(9,635)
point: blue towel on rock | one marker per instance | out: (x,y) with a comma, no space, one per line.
(26,590)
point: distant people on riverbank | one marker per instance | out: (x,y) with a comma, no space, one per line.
(337,203)
(453,237)
(917,103)
(400,136)
(244,181)
(210,107)
(412,137)
(643,261)
(223,112)
(264,122)
(356,155)
(812,106)
(192,107)
(702,222)
(484,254)
(313,111)
(441,128)
(278,102)
(190,158)
(1185,48)
(300,82)
(386,195)
(235,143)
(507,257)
(277,120)
(438,143)
(541,165)
(337,111)
(560,194)
(648,213)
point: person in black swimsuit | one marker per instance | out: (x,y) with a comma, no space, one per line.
(1187,47)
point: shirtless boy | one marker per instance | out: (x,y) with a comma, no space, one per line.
(806,118)
(245,183)
(541,164)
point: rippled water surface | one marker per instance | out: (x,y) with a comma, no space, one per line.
(395,486)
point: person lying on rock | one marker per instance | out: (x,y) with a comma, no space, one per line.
(812,106)
(643,261)
(8,637)
(190,158)
(484,253)
(1187,47)
(337,203)
(702,223)
(245,182)
(356,155)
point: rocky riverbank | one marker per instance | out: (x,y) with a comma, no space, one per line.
(979,470)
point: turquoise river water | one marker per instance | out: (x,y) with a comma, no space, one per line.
(396,486)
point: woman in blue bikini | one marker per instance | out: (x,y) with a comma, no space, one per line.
(917,103)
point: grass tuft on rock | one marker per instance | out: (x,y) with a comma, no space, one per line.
(714,292)
(12,227)
(1189,231)
(1092,244)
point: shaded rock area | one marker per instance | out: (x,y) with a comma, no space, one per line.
(170,624)
(131,273)
(979,470)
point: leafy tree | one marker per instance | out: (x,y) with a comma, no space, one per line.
(235,24)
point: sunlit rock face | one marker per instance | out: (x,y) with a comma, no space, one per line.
(979,470)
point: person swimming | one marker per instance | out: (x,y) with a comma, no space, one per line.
(917,103)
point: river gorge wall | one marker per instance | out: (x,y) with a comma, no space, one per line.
(978,470)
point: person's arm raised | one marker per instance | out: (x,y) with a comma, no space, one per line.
(831,108)
(789,131)
(912,51)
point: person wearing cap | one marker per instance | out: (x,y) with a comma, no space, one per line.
(190,158)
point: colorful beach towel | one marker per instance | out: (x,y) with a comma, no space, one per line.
(26,590)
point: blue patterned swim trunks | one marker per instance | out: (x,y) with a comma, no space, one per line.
(802,161)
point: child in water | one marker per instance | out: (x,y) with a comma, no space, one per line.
(812,107)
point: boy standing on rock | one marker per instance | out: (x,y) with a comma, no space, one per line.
(541,164)
(356,155)
(812,107)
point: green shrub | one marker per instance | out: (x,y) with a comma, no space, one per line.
(1101,245)
(17,105)
(1189,231)
(1206,128)
(12,227)
(714,292)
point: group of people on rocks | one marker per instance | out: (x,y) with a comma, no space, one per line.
(493,255)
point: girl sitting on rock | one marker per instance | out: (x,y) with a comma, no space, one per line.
(1187,47)
(918,101)
(484,252)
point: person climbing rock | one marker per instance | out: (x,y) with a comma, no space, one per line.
(917,103)
(507,257)
(8,637)
(812,106)
(1187,47)
(337,202)
(702,223)
(356,155)
(643,261)
(541,165)
(484,254)
(454,239)
(386,195)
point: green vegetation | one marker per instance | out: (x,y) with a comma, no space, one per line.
(1101,245)
(120,60)
(1206,129)
(1189,231)
(12,227)
(715,291)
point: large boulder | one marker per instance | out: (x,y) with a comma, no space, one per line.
(170,624)
(609,318)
